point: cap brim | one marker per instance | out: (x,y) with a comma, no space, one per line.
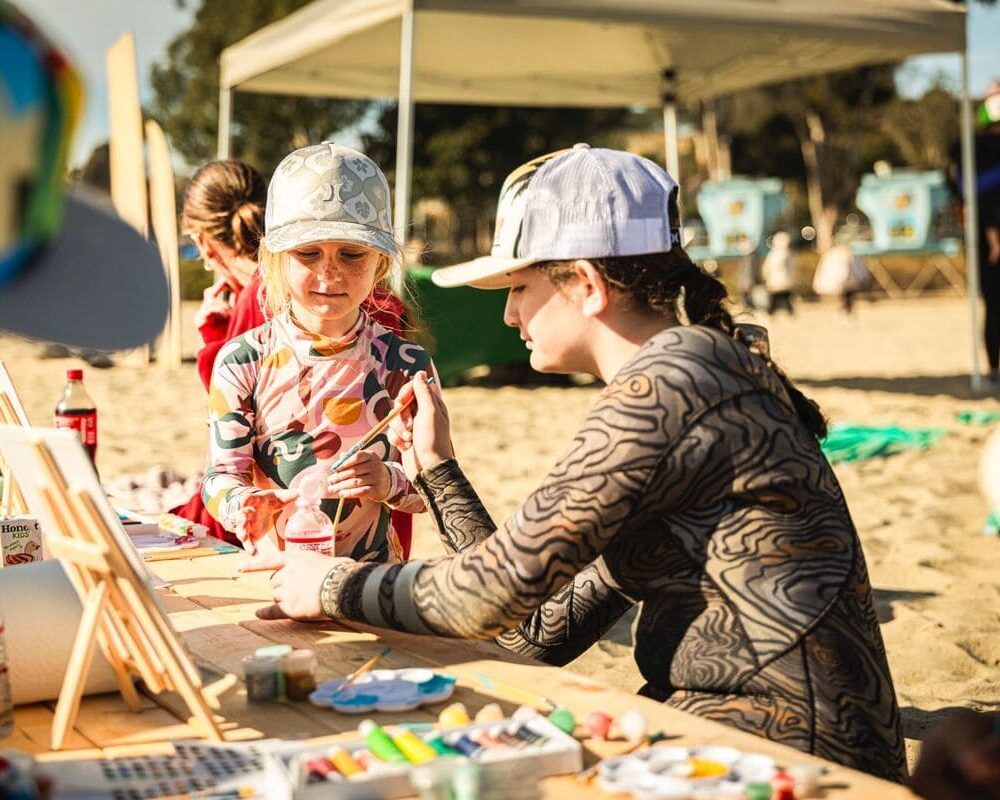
(487,272)
(299,234)
(99,284)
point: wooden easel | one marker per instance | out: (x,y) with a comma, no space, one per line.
(11,413)
(119,611)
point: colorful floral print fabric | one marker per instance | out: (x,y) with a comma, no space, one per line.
(284,403)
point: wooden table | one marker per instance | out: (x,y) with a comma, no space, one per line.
(212,607)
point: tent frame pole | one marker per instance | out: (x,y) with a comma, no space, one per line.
(225,120)
(670,145)
(404,134)
(971,221)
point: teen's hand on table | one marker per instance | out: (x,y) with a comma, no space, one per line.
(421,431)
(363,475)
(296,582)
(960,759)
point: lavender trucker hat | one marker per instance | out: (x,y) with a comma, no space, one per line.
(582,202)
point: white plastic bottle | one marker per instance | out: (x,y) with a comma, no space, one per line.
(309,528)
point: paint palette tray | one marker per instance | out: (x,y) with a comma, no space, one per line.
(664,772)
(384,690)
(552,753)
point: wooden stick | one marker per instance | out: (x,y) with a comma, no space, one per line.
(336,522)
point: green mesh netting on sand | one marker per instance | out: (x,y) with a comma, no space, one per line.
(847,442)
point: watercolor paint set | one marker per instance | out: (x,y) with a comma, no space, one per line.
(385,763)
(194,768)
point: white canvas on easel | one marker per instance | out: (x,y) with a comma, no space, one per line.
(11,413)
(120,611)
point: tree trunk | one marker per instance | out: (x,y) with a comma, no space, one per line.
(812,137)
(710,128)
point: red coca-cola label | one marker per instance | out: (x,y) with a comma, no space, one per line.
(85,424)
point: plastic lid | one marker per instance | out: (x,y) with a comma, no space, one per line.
(273,651)
(311,489)
(301,659)
(74,374)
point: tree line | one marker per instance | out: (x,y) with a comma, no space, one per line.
(818,134)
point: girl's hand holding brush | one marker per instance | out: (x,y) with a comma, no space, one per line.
(421,430)
(363,475)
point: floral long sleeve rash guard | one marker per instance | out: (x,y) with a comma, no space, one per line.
(285,403)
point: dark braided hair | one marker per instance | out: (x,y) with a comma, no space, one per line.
(671,284)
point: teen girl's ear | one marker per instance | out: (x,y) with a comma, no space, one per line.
(590,288)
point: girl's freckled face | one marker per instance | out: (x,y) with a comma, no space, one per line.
(328,281)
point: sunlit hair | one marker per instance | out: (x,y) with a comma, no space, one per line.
(672,285)
(224,200)
(273,268)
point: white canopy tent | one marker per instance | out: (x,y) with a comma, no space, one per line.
(585,53)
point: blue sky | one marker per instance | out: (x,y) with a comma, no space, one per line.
(86,28)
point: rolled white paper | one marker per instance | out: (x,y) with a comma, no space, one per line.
(41,612)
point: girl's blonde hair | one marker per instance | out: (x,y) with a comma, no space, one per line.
(273,274)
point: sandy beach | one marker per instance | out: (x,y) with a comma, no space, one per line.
(919,513)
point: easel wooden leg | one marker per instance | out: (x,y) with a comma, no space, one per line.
(79,666)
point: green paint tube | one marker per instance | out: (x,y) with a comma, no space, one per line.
(381,744)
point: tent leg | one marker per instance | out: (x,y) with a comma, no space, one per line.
(404,134)
(971,222)
(225,114)
(672,153)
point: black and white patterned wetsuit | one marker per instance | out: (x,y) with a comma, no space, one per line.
(693,488)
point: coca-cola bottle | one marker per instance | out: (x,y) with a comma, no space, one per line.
(77,411)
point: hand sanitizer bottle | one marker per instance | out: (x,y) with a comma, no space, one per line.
(309,528)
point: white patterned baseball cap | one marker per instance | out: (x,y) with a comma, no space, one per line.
(582,202)
(328,193)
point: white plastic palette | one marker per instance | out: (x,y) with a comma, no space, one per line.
(665,772)
(384,690)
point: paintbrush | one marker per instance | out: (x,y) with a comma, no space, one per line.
(380,426)
(360,445)
(371,662)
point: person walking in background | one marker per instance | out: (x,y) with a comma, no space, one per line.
(988,214)
(779,274)
(841,274)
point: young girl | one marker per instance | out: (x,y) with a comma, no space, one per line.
(289,397)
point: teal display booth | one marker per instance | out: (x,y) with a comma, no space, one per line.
(466,326)
(901,208)
(738,214)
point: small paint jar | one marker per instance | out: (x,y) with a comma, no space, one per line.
(299,669)
(278,652)
(260,673)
